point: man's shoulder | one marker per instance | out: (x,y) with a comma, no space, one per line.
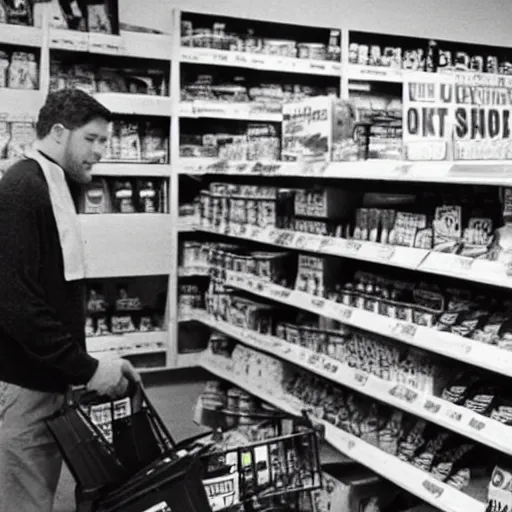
(24,177)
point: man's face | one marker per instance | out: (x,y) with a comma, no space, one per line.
(84,148)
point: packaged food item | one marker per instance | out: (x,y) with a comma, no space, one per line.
(155,146)
(3,12)
(447,228)
(23,71)
(147,196)
(19,12)
(5,135)
(130,144)
(311,127)
(102,327)
(95,197)
(462,61)
(502,410)
(90,330)
(391,433)
(126,303)
(96,302)
(98,19)
(4,69)
(499,495)
(22,137)
(124,196)
(412,440)
(481,398)
(122,324)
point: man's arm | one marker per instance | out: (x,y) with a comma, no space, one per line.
(25,316)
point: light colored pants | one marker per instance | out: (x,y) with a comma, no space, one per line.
(30,461)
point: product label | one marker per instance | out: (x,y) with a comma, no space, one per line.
(361,378)
(404,331)
(431,406)
(404,393)
(477,424)
(432,487)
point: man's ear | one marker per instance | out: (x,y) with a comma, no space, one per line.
(58,133)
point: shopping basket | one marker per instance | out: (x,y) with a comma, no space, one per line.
(286,464)
(123,458)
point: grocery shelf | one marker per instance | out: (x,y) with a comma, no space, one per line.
(135,169)
(20,35)
(207,56)
(118,245)
(20,104)
(136,104)
(127,44)
(458,419)
(452,265)
(447,344)
(484,172)
(375,73)
(199,270)
(131,342)
(416,481)
(186,225)
(225,110)
(403,257)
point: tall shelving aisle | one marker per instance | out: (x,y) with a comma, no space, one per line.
(364,286)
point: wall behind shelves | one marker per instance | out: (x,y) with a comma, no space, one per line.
(476,21)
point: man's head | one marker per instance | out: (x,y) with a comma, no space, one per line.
(72,129)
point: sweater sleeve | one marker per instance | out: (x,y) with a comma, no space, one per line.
(25,316)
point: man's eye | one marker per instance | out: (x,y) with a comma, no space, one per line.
(90,139)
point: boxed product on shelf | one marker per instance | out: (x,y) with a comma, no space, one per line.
(100,16)
(113,195)
(17,12)
(312,127)
(136,141)
(378,128)
(88,76)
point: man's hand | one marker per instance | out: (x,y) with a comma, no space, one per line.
(112,377)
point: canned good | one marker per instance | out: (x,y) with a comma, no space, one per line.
(491,64)
(363,54)
(445,59)
(375,56)
(462,61)
(353,53)
(477,63)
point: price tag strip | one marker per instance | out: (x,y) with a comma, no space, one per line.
(260,62)
(414,480)
(458,419)
(447,344)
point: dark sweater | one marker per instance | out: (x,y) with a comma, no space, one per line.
(42,339)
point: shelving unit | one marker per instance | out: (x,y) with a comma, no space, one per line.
(414,480)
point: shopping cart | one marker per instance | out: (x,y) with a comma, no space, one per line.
(123,458)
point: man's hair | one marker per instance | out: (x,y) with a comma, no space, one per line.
(72,108)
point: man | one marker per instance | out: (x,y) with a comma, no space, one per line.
(42,308)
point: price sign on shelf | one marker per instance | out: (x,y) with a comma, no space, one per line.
(384,252)
(433,487)
(352,247)
(431,406)
(404,393)
(477,424)
(404,331)
(361,379)
(449,264)
(453,414)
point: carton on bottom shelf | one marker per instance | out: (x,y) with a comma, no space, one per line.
(403,474)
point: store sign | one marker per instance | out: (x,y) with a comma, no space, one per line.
(483,112)
(428,116)
(459,116)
